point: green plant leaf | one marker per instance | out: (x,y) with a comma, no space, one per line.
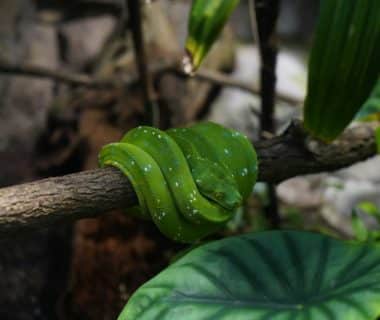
(276,275)
(360,230)
(370,208)
(344,65)
(206,21)
(371,108)
(378,139)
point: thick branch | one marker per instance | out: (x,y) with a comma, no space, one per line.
(65,198)
(91,193)
(294,153)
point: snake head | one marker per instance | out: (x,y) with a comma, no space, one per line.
(215,183)
(226,195)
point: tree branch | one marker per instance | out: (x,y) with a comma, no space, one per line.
(57,75)
(91,193)
(266,15)
(150,105)
(223,79)
(87,81)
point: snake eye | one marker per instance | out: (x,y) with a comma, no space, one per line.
(219,195)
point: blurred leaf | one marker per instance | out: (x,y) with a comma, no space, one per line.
(371,108)
(277,275)
(206,21)
(344,64)
(369,208)
(358,227)
(378,139)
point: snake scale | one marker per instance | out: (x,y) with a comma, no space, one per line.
(189,181)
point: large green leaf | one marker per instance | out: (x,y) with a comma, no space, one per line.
(206,21)
(344,64)
(275,275)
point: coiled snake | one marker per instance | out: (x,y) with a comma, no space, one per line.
(189,181)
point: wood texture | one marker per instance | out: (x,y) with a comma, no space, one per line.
(94,192)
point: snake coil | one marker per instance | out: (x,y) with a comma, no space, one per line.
(189,181)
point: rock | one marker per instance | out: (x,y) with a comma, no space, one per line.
(85,38)
(26,101)
(347,188)
(233,107)
(301,192)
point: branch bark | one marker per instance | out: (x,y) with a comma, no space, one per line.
(91,193)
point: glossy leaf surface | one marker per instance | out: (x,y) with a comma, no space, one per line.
(206,21)
(276,275)
(344,64)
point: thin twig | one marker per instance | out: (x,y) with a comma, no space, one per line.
(223,79)
(57,75)
(84,80)
(150,103)
(253,24)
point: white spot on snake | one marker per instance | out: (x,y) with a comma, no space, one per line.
(198,180)
(159,136)
(176,184)
(146,169)
(194,192)
(153,133)
(188,156)
(163,213)
(226,151)
(170,169)
(195,211)
(132,163)
(145,131)
(244,172)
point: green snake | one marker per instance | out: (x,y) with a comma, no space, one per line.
(189,181)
